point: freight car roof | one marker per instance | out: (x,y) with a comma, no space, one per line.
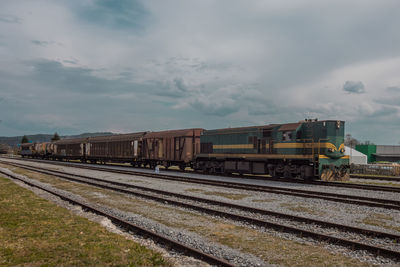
(70,141)
(171,133)
(242,129)
(117,137)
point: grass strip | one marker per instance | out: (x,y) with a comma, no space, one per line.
(34,231)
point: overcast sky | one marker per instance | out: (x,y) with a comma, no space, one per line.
(78,66)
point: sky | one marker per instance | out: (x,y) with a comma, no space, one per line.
(77,66)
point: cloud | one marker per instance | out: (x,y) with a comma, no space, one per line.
(75,79)
(116,14)
(9,18)
(41,43)
(354,87)
(214,107)
(147,65)
(395,89)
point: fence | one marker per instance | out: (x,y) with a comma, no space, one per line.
(376,169)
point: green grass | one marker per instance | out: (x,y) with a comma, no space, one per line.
(36,232)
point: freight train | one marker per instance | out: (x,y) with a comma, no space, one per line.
(307,149)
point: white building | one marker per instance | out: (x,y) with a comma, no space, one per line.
(356,157)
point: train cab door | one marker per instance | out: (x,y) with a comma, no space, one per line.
(263,146)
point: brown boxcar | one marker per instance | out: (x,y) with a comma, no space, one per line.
(167,148)
(70,148)
(115,148)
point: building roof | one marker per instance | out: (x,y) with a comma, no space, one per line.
(387,155)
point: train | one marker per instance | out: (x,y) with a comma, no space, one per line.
(308,149)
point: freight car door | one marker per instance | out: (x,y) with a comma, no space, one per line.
(135,147)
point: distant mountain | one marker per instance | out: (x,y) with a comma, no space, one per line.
(15,140)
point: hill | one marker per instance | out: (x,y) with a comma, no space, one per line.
(15,140)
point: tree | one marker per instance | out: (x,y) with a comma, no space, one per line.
(55,137)
(350,141)
(24,140)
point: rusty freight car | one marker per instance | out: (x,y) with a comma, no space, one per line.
(167,148)
(70,149)
(115,148)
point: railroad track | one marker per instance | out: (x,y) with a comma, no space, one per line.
(160,239)
(382,178)
(258,177)
(349,199)
(160,196)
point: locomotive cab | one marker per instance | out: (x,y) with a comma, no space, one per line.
(328,137)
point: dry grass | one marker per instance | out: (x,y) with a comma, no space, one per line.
(299,208)
(268,247)
(36,232)
(264,200)
(220,194)
(380,220)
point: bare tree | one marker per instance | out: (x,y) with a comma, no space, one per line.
(351,141)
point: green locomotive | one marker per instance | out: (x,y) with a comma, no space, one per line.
(305,149)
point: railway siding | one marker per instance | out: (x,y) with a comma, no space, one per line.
(346,213)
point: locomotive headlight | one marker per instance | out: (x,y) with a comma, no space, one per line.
(330,150)
(342,150)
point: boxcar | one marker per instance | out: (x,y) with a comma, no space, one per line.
(70,148)
(167,148)
(115,148)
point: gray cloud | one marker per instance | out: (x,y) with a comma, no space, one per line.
(121,14)
(216,109)
(74,62)
(152,65)
(76,79)
(354,87)
(395,89)
(40,43)
(9,18)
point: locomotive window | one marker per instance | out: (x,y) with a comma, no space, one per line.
(266,133)
(298,135)
(287,136)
